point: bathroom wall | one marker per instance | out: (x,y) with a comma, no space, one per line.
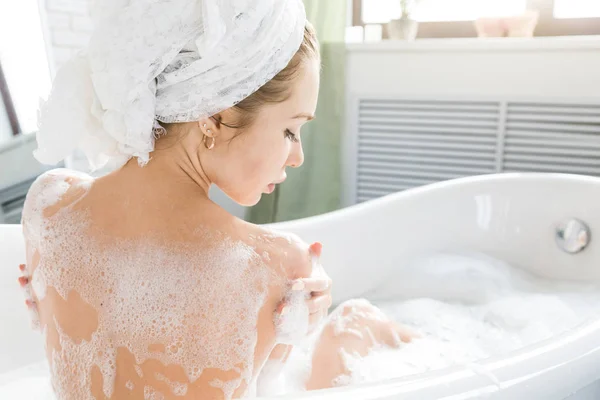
(67,27)
(549,69)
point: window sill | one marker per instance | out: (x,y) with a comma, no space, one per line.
(481,44)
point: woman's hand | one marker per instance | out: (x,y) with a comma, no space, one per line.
(318,286)
(25,283)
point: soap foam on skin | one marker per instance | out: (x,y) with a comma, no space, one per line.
(293,327)
(144,293)
(465,308)
(277,377)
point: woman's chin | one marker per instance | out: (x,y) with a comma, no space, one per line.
(249,201)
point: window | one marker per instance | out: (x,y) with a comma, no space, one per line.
(9,123)
(445,18)
(576,8)
(24,71)
(381,11)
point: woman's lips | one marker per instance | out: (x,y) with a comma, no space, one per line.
(271,187)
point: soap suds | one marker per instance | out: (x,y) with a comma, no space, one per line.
(518,311)
(293,327)
(144,292)
(38,284)
(466,308)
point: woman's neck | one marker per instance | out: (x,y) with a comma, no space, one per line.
(172,167)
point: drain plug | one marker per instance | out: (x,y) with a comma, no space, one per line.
(572,235)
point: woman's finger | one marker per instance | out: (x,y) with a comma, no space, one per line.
(24,282)
(25,285)
(29,300)
(315,249)
(312,284)
(318,303)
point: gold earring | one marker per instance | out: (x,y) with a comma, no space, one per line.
(212,142)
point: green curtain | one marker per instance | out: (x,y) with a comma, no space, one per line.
(315,187)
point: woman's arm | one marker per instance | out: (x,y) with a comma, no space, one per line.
(319,289)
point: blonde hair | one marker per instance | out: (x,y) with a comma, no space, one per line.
(275,91)
(278,89)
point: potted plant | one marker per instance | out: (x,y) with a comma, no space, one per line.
(404,28)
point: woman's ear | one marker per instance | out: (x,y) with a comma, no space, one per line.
(209,127)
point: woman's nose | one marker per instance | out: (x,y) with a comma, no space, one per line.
(296,157)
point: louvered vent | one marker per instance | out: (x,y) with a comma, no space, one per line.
(407,143)
(403,144)
(552,138)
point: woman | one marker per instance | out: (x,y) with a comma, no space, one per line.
(144,287)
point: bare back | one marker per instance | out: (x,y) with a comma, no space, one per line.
(142,300)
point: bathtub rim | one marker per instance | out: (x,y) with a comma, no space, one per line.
(359,208)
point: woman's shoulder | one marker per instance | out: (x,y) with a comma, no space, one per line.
(285,253)
(54,190)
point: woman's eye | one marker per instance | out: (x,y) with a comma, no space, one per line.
(291,136)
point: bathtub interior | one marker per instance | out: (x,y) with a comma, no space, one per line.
(369,248)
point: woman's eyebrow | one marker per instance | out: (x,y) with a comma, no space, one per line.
(308,117)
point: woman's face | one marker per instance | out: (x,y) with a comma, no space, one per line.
(254,161)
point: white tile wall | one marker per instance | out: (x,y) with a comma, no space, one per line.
(71,7)
(81,24)
(58,20)
(68,28)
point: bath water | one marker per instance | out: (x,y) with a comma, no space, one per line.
(466,308)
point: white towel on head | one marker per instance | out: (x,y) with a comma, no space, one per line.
(165,60)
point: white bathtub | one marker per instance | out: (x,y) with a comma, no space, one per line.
(511,217)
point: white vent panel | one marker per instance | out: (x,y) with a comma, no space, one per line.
(553,138)
(404,143)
